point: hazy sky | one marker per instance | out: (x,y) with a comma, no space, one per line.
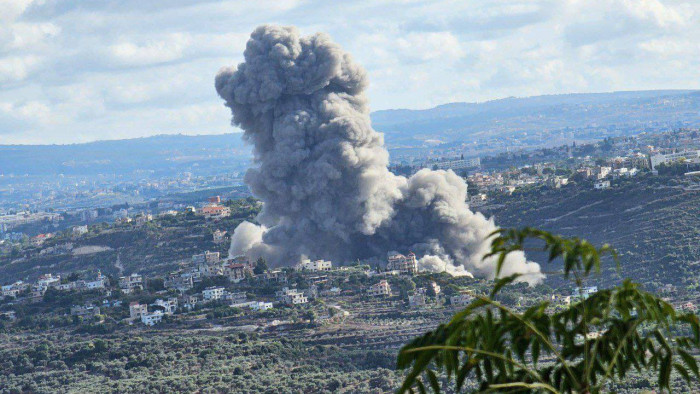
(73,71)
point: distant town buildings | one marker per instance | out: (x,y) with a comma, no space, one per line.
(658,159)
(458,164)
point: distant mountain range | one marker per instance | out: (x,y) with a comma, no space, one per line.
(158,155)
(628,112)
(588,116)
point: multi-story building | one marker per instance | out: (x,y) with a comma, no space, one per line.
(14,289)
(260,306)
(236,297)
(48,280)
(152,318)
(219,236)
(458,164)
(213,293)
(461,300)
(190,301)
(99,283)
(128,284)
(584,292)
(379,289)
(86,311)
(215,211)
(136,310)
(236,272)
(276,276)
(404,264)
(601,185)
(206,258)
(80,230)
(436,288)
(317,265)
(179,281)
(658,159)
(291,296)
(169,306)
(208,263)
(417,298)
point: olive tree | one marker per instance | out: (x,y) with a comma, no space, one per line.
(579,349)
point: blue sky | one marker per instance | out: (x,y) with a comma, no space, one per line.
(75,71)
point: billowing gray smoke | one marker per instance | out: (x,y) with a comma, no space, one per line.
(322,170)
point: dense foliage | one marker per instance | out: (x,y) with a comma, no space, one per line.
(580,349)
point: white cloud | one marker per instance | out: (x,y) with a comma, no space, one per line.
(75,71)
(17,68)
(163,50)
(430,46)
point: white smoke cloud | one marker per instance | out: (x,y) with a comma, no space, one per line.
(322,171)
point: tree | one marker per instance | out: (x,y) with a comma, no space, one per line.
(587,345)
(260,266)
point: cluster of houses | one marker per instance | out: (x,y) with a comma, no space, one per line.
(159,308)
(209,264)
(47,281)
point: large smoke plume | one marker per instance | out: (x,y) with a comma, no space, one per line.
(322,171)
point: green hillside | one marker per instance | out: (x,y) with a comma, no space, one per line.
(653,222)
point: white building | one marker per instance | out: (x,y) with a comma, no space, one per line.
(291,296)
(80,230)
(169,306)
(601,185)
(213,293)
(457,164)
(260,305)
(436,288)
(584,292)
(602,172)
(151,319)
(48,280)
(99,282)
(657,159)
(317,265)
(379,289)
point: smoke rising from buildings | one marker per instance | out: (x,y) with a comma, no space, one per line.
(322,171)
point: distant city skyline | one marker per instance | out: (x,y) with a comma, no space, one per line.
(82,71)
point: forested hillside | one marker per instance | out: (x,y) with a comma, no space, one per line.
(653,222)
